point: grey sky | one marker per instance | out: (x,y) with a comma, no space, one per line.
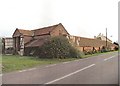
(85,18)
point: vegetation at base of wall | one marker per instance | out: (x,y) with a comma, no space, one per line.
(58,47)
(103,50)
(96,54)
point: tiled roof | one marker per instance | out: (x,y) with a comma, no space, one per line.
(40,31)
(89,42)
(37,33)
(27,40)
(93,42)
(45,30)
(26,32)
(37,42)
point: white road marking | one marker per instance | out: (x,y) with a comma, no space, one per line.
(22,70)
(109,58)
(70,74)
(66,62)
(51,65)
(1,74)
(32,69)
(27,70)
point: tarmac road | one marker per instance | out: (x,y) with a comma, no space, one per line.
(101,69)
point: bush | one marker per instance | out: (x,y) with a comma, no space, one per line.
(75,53)
(104,49)
(88,52)
(58,47)
(116,48)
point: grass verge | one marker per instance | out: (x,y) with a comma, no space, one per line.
(15,62)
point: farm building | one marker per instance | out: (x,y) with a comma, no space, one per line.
(7,45)
(90,44)
(26,42)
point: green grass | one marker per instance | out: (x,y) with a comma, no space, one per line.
(15,62)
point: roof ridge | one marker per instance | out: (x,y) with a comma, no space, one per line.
(87,38)
(82,37)
(46,27)
(24,29)
(40,28)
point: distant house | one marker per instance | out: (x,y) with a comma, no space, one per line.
(102,37)
(26,41)
(7,45)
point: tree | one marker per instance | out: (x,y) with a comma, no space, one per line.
(58,47)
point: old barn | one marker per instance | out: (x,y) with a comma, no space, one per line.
(26,42)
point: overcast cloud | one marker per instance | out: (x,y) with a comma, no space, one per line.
(85,18)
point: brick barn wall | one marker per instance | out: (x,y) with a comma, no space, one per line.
(59,30)
(97,48)
(80,48)
(88,48)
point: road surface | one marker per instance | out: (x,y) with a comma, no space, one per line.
(101,69)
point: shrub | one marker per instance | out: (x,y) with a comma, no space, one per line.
(104,49)
(75,53)
(116,48)
(88,52)
(58,47)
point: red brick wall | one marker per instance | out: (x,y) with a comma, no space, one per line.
(59,30)
(80,48)
(87,48)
